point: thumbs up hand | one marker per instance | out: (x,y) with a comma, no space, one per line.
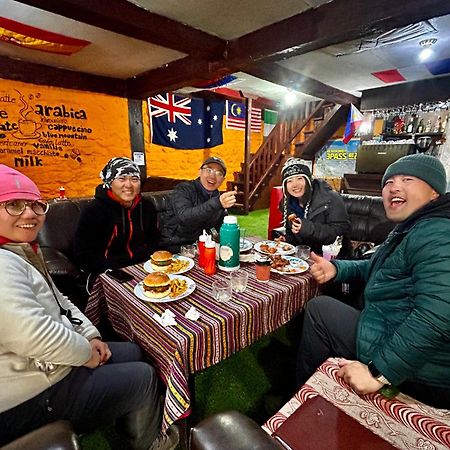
(321,269)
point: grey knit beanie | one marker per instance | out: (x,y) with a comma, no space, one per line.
(425,167)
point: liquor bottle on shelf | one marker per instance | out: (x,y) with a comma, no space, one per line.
(428,126)
(444,123)
(420,126)
(438,125)
(410,126)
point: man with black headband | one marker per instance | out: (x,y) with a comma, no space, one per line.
(119,227)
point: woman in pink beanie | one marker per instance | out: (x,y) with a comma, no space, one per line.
(53,364)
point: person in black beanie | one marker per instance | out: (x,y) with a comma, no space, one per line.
(320,212)
(119,227)
(402,335)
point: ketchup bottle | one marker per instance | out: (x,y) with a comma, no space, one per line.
(210,257)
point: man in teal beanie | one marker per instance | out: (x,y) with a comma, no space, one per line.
(402,335)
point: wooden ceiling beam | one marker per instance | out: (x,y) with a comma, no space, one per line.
(180,73)
(14,69)
(285,77)
(332,23)
(123,17)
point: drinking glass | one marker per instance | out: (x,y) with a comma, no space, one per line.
(303,252)
(239,280)
(243,232)
(222,290)
(188,251)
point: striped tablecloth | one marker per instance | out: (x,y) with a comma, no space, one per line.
(191,346)
(404,422)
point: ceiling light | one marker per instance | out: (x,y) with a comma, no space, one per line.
(290,98)
(426,51)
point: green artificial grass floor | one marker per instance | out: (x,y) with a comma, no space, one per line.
(256,223)
(256,381)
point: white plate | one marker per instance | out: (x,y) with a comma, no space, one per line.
(149,269)
(283,248)
(247,245)
(139,291)
(296,265)
(248,257)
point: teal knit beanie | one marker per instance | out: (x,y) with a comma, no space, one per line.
(427,168)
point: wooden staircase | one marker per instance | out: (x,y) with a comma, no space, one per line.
(302,134)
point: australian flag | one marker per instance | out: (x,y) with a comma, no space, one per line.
(186,123)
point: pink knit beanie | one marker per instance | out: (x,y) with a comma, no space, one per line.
(16,186)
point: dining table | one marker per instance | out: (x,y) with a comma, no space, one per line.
(222,329)
(402,422)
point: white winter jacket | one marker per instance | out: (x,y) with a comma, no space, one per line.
(38,346)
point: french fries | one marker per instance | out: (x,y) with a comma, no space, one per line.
(177,266)
(177,287)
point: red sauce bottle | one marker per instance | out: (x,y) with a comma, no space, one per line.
(210,257)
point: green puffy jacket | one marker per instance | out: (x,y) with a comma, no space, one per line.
(404,327)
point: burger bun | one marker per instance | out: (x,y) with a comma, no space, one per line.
(156,285)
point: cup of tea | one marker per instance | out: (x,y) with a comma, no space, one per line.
(262,265)
(239,280)
(221,290)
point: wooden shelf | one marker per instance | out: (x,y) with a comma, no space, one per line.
(411,135)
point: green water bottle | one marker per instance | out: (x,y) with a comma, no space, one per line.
(229,244)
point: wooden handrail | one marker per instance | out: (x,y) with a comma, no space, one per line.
(273,149)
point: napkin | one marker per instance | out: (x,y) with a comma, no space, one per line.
(166,319)
(192,314)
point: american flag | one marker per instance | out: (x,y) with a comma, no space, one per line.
(236,113)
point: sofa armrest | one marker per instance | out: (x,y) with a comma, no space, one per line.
(53,436)
(58,264)
(230,430)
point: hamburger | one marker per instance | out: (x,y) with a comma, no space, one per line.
(161,260)
(156,285)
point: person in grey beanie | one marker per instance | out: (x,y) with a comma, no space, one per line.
(402,335)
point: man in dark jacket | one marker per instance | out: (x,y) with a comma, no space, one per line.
(196,205)
(320,211)
(402,336)
(119,227)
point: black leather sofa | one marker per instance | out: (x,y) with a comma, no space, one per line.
(231,430)
(369,225)
(54,436)
(57,239)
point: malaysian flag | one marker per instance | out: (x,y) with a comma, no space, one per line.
(185,123)
(236,113)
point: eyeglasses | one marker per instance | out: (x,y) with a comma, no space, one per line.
(217,173)
(17,207)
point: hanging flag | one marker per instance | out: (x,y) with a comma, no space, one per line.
(354,121)
(185,123)
(236,114)
(34,38)
(270,120)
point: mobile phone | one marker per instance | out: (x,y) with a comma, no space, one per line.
(120,275)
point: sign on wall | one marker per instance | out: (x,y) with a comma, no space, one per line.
(60,137)
(336,158)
